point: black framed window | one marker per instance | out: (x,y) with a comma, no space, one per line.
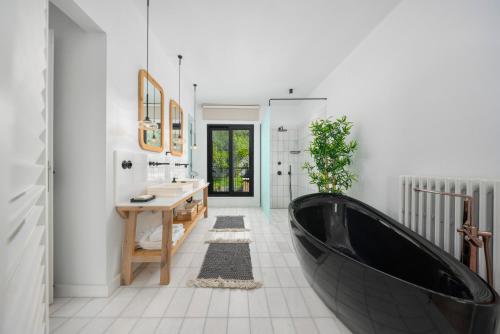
(230,160)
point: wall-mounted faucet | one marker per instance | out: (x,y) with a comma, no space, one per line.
(127,164)
(154,163)
(472,238)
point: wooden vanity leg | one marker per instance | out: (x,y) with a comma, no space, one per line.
(128,248)
(205,201)
(166,246)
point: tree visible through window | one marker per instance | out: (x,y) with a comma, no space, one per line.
(230,160)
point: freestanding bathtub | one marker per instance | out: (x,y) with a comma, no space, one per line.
(379,277)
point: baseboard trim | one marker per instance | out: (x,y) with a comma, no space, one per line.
(73,290)
(114,284)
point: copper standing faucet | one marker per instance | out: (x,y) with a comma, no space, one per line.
(472,238)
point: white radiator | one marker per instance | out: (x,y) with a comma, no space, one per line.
(437,217)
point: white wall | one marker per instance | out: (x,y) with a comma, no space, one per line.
(125,29)
(200,163)
(79,155)
(423,92)
(126,42)
(294,114)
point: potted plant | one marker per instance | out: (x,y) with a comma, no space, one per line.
(332,154)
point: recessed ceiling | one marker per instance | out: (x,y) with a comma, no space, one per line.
(245,52)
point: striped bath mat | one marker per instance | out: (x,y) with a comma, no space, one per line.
(229,224)
(226,265)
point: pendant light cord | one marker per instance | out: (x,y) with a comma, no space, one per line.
(180,60)
(194,108)
(147,61)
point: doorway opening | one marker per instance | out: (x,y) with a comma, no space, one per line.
(230,161)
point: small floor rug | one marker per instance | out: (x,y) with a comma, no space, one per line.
(229,224)
(226,265)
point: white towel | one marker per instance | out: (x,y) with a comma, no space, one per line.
(154,235)
(152,239)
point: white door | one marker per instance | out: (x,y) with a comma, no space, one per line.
(24,233)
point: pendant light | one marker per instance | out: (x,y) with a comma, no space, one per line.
(195,145)
(147,124)
(176,125)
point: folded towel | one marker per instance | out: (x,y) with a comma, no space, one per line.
(152,239)
(156,234)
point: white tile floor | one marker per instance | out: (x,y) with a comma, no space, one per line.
(286,304)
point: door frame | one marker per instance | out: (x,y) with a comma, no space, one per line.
(230,128)
(50,163)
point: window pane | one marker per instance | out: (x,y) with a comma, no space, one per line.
(220,160)
(241,161)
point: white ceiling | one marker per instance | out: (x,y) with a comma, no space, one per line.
(247,51)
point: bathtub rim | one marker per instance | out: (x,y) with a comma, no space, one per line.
(294,220)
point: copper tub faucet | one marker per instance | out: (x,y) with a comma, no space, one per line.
(472,238)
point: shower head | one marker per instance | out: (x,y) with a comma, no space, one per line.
(282,129)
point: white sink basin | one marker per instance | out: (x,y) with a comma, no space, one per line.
(169,189)
(195,182)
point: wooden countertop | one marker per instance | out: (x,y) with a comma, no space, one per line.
(159,203)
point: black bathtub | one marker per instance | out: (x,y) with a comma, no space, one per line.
(379,277)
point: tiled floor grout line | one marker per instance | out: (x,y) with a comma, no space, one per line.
(309,309)
(129,302)
(210,317)
(62,304)
(62,323)
(206,311)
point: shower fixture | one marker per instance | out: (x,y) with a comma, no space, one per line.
(282,129)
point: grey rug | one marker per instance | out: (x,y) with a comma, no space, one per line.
(229,223)
(226,265)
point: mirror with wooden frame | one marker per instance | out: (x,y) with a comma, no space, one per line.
(176,129)
(151,115)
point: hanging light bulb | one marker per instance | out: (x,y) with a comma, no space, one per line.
(154,139)
(147,124)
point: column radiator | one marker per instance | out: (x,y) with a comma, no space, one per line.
(437,217)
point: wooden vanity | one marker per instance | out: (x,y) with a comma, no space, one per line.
(131,254)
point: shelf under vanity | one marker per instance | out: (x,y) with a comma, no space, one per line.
(166,205)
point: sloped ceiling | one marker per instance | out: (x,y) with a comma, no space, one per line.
(244,52)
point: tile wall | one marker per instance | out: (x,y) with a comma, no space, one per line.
(303,139)
(282,161)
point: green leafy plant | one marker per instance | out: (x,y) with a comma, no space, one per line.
(332,154)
